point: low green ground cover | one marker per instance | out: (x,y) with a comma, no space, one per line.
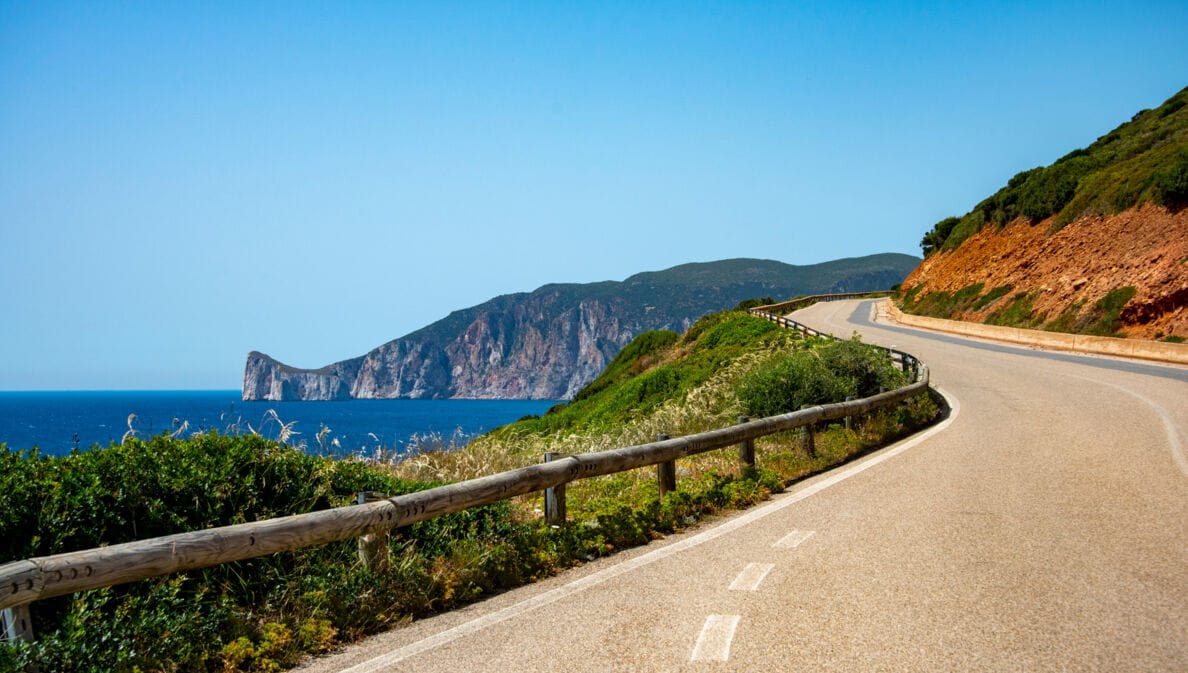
(1102,318)
(267,613)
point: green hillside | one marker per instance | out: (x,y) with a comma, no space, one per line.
(1142,161)
(265,614)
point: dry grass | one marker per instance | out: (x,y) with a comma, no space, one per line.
(709,406)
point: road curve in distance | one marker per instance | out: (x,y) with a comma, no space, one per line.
(1041,528)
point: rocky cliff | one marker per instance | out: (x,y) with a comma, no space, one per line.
(266,379)
(550,343)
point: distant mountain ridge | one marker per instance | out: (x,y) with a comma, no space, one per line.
(549,343)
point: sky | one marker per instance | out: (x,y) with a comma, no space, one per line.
(182,183)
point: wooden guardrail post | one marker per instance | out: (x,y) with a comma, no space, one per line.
(849,420)
(18,624)
(554,496)
(806,436)
(374,548)
(746,449)
(666,471)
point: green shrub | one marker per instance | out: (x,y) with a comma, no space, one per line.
(864,370)
(1173,184)
(748,304)
(990,297)
(935,238)
(266,613)
(167,626)
(821,376)
(148,488)
(1103,320)
(946,305)
(1067,320)
(1019,313)
(656,367)
(789,382)
(1144,159)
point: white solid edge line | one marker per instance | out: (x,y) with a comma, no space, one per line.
(1169,425)
(593,579)
(751,577)
(713,644)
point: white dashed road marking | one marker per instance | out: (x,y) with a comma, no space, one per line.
(751,577)
(716,636)
(793,539)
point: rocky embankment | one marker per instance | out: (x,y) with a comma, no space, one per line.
(1070,270)
(550,343)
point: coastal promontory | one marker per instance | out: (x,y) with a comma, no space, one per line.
(549,343)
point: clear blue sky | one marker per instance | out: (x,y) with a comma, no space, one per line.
(181,183)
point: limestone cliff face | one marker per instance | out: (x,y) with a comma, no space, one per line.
(550,343)
(266,379)
(530,349)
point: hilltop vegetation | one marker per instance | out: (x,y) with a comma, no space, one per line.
(1096,243)
(1142,161)
(266,613)
(664,383)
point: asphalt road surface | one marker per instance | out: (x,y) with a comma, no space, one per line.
(1042,527)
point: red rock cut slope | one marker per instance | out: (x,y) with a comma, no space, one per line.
(1146,248)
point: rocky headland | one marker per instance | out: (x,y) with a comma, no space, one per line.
(549,343)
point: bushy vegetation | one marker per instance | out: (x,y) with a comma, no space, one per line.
(1142,161)
(1018,313)
(828,374)
(654,368)
(250,615)
(1103,318)
(944,304)
(748,304)
(266,613)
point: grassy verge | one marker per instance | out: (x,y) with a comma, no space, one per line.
(267,613)
(1099,319)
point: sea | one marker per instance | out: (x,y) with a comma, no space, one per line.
(60,422)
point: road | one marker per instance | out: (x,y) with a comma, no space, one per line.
(1042,527)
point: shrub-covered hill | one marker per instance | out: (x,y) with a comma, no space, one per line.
(267,613)
(1142,161)
(1096,243)
(726,365)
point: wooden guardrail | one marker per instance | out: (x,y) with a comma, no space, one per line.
(22,582)
(801,302)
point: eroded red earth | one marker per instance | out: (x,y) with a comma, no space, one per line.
(1146,248)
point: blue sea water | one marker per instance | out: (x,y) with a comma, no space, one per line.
(57,422)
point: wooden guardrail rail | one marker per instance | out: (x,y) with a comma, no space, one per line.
(22,582)
(801,302)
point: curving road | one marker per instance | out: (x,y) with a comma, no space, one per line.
(1042,527)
